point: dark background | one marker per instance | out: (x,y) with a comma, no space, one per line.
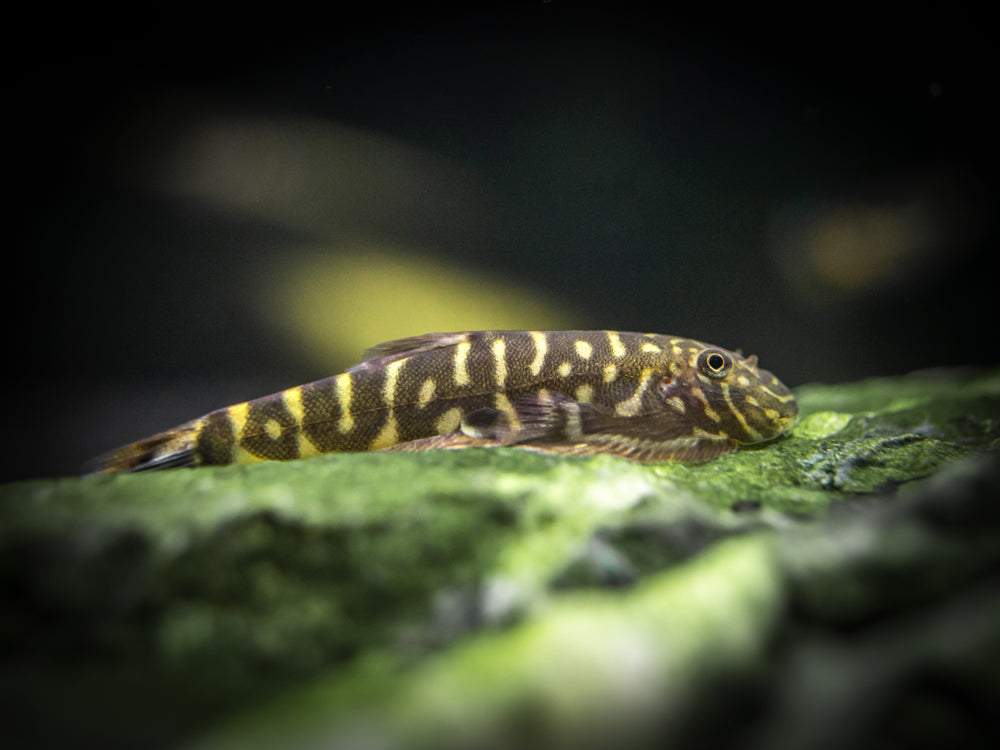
(817,191)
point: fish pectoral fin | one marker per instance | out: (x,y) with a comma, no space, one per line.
(551,422)
(549,416)
(683,449)
(645,451)
(489,424)
(555,423)
(382,354)
(555,416)
(552,418)
(482,428)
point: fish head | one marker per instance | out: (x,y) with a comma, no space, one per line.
(740,400)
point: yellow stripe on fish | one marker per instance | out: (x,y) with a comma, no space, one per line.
(644,397)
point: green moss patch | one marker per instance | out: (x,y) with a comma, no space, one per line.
(502,598)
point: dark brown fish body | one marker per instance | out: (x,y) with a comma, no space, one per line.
(646,397)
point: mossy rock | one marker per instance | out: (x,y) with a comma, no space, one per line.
(808,592)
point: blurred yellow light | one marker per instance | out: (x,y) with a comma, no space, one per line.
(337,304)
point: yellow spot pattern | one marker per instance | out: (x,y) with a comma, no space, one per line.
(503,404)
(389,387)
(272,428)
(306,449)
(677,403)
(631,406)
(389,435)
(541,347)
(461,363)
(448,421)
(426,392)
(292,399)
(238,416)
(615,342)
(736,413)
(346,423)
(709,411)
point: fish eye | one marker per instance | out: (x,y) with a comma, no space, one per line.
(714,363)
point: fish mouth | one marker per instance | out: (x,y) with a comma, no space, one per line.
(785,423)
(781,422)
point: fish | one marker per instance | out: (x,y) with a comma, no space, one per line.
(644,397)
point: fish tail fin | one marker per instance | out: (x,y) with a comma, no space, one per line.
(167,450)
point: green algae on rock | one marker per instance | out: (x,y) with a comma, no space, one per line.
(500,595)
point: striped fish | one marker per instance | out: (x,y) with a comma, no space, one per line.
(644,397)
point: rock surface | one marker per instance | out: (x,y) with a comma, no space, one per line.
(837,588)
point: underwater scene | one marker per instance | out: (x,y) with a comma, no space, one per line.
(536,376)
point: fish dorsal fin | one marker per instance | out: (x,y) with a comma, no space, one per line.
(389,351)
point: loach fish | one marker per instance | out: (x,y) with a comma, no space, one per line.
(644,397)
